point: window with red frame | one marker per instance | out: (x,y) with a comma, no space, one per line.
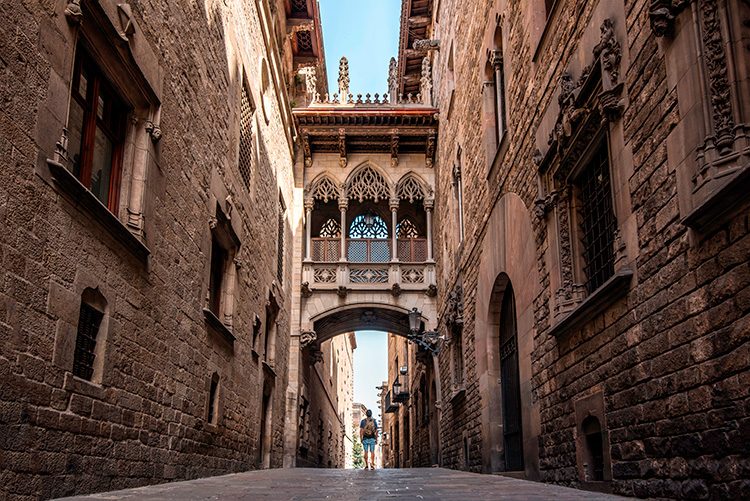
(96,130)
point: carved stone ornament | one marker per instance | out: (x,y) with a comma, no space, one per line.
(73,12)
(395,290)
(426,82)
(311,82)
(431,290)
(238,263)
(342,291)
(608,51)
(661,14)
(344,80)
(718,78)
(213,223)
(306,338)
(430,151)
(305,290)
(304,26)
(453,318)
(544,206)
(127,28)
(393,80)
(427,44)
(368,317)
(153,130)
(316,356)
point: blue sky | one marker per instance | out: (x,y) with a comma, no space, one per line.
(366,32)
(370,368)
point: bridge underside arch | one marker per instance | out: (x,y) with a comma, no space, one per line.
(363,316)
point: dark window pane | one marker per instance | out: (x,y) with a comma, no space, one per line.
(101,169)
(75,136)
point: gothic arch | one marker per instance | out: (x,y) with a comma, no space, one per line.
(411,186)
(324,187)
(368,181)
(508,256)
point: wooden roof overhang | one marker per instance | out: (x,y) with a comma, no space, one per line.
(344,131)
(416,24)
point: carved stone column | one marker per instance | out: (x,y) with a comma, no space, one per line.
(394,222)
(343,205)
(429,203)
(496,60)
(308,223)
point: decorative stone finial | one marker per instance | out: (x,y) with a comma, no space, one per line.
(344,79)
(426,82)
(393,78)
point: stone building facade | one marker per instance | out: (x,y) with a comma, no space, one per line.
(325,407)
(592,244)
(146,218)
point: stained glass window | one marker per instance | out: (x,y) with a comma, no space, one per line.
(360,229)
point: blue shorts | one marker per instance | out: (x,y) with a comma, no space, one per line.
(368,444)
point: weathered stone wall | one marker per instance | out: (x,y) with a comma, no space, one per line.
(146,422)
(669,358)
(325,410)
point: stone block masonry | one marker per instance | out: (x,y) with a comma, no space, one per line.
(663,367)
(144,417)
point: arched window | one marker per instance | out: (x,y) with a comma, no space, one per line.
(330,229)
(368,225)
(407,229)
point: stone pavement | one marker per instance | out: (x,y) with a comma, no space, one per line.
(318,484)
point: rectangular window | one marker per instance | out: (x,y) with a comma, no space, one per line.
(212,400)
(247,111)
(597,220)
(280,260)
(218,262)
(96,132)
(89,321)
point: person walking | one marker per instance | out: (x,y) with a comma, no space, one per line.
(368,434)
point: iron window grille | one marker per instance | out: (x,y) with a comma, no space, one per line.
(304,42)
(280,259)
(89,321)
(246,137)
(597,220)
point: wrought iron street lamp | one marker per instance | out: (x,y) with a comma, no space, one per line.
(429,340)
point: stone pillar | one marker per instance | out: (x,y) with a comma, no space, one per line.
(496,59)
(308,229)
(394,221)
(428,205)
(343,205)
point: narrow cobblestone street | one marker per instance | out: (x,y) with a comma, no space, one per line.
(309,484)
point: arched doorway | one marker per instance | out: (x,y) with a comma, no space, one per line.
(510,386)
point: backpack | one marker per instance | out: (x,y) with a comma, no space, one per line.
(369,430)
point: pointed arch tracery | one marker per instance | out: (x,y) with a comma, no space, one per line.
(368,183)
(411,188)
(325,188)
